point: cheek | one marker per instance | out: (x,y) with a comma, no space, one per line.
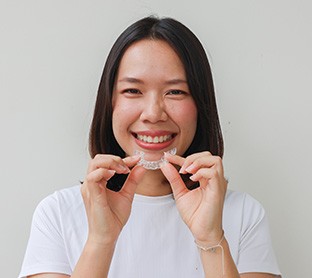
(190,120)
(118,118)
(186,115)
(123,115)
(116,121)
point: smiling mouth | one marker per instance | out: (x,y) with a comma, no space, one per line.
(154,139)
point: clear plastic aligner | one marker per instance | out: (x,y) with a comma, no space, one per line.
(153,165)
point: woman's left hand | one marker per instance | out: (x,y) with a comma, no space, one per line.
(201,208)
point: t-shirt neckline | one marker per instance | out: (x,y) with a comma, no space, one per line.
(153,199)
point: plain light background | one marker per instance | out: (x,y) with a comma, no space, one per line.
(51,58)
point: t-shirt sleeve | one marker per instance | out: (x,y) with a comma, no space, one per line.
(46,250)
(256,253)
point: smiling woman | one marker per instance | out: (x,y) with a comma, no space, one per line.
(148,107)
(126,220)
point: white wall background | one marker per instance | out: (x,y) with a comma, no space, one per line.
(51,58)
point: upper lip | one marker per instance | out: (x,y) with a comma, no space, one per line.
(154,133)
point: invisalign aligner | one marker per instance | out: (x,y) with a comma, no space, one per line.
(153,165)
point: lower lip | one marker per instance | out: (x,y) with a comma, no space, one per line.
(154,146)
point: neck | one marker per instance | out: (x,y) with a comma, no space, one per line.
(154,184)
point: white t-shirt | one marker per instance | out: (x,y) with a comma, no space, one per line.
(155,241)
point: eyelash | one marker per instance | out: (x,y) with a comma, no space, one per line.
(171,92)
(132,91)
(180,92)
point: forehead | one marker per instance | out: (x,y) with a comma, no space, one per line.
(151,56)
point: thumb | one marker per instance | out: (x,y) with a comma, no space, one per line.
(133,179)
(175,180)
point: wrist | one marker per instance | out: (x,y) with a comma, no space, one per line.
(210,250)
(101,242)
(210,246)
(210,239)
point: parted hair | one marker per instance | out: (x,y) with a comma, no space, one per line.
(208,136)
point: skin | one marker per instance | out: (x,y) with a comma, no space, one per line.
(150,97)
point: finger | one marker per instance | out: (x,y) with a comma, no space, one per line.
(174,159)
(109,162)
(205,162)
(131,161)
(132,181)
(95,182)
(205,173)
(176,182)
(211,178)
(191,158)
(99,174)
(93,185)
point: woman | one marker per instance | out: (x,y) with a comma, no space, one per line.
(144,211)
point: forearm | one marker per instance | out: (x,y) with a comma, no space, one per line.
(94,261)
(219,263)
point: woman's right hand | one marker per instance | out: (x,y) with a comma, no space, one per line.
(107,210)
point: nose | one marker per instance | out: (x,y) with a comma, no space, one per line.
(154,109)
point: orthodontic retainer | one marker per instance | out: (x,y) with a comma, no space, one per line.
(153,165)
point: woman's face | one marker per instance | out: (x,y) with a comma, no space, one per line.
(153,110)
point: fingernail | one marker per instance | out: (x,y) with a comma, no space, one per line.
(182,171)
(163,163)
(123,168)
(190,168)
(136,157)
(111,172)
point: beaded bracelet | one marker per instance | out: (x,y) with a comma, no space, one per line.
(213,248)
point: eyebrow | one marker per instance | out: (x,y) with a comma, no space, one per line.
(131,80)
(139,81)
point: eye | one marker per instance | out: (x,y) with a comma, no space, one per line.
(132,91)
(176,92)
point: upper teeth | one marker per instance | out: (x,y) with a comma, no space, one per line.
(155,139)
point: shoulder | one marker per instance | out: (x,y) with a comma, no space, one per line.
(243,208)
(67,199)
(248,233)
(64,196)
(236,200)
